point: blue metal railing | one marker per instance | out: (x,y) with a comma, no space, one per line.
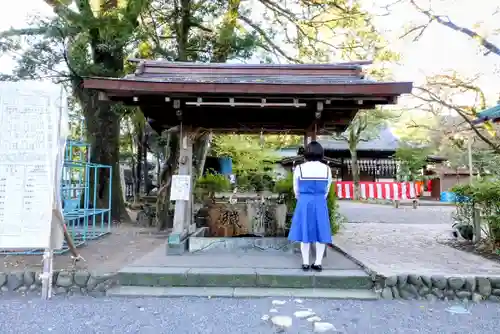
(86,215)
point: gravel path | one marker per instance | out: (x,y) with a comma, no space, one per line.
(219,316)
(392,241)
(379,213)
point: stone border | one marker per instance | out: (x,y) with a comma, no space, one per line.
(435,287)
(431,287)
(64,282)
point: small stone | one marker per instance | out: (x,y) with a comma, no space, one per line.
(387,293)
(438,293)
(75,290)
(4,288)
(314,319)
(439,282)
(470,284)
(415,280)
(273,310)
(29,278)
(495,299)
(484,286)
(395,292)
(22,289)
(464,294)
(391,281)
(33,287)
(423,291)
(15,280)
(405,294)
(298,301)
(282,321)
(95,279)
(402,280)
(64,279)
(450,294)
(430,297)
(60,290)
(495,282)
(38,278)
(81,278)
(456,283)
(321,327)
(427,281)
(476,297)
(3,279)
(303,314)
(278,302)
(265,317)
(495,292)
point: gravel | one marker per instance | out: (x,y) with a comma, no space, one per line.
(377,213)
(219,316)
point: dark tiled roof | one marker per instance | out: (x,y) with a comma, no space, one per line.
(385,141)
(256,79)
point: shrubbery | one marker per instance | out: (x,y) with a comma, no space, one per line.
(483,195)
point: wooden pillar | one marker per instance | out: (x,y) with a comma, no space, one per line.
(177,240)
(305,140)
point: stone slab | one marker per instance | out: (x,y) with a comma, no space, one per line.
(136,291)
(250,259)
(244,277)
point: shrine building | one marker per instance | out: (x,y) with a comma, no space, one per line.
(302,99)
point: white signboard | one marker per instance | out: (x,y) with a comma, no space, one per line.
(181,188)
(30,151)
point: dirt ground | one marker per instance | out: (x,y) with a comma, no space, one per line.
(480,250)
(125,244)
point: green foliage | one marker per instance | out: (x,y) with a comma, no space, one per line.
(212,183)
(411,162)
(284,187)
(483,195)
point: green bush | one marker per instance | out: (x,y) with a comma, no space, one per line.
(483,195)
(209,184)
(284,187)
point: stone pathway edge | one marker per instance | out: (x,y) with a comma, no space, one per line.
(430,287)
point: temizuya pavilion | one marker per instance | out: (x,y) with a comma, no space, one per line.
(297,99)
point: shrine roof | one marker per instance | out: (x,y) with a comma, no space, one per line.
(171,77)
(385,141)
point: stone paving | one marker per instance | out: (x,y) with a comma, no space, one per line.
(391,241)
(378,213)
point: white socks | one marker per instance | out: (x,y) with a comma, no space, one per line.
(320,251)
(304,249)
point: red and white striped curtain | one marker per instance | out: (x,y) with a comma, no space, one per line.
(380,190)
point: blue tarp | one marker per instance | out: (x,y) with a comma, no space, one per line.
(491,114)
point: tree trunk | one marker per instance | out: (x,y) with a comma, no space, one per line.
(138,165)
(168,169)
(144,144)
(355,174)
(103,130)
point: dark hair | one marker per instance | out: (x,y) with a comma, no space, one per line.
(314,151)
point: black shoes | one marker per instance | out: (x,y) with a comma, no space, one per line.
(314,267)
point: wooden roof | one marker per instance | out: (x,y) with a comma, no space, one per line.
(249,98)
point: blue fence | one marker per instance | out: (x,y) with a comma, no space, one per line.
(87,215)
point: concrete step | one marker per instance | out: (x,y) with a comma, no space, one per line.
(143,291)
(243,278)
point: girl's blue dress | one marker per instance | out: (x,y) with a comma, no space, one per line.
(311,222)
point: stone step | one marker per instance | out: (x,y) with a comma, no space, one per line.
(144,291)
(243,278)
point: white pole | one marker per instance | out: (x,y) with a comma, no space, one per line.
(48,255)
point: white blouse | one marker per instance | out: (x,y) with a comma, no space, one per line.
(312,169)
